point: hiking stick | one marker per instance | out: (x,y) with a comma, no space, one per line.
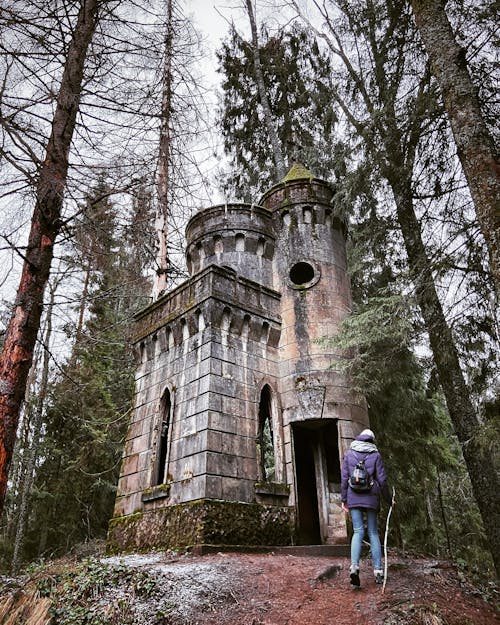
(385,538)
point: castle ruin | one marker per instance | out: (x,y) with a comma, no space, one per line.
(240,421)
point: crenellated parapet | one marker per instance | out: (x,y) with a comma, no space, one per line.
(210,299)
(240,236)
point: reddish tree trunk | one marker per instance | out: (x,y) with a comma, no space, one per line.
(17,353)
(475,146)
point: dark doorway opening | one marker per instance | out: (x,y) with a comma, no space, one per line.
(307,495)
(331,442)
(316,453)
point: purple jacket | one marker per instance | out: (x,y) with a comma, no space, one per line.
(361,448)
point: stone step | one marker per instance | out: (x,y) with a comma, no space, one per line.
(330,550)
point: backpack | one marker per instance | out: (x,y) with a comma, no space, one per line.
(360,480)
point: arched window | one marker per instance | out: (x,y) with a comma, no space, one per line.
(161,461)
(265,437)
(240,242)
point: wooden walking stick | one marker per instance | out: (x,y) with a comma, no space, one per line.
(385,538)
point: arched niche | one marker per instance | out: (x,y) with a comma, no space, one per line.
(161,464)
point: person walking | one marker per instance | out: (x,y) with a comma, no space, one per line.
(362,500)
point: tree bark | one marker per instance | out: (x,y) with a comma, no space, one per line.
(17,353)
(279,160)
(475,147)
(163,207)
(480,460)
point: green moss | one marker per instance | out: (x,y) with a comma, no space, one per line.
(125,520)
(203,521)
(298,172)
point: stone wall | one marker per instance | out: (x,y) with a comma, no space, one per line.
(203,522)
(213,355)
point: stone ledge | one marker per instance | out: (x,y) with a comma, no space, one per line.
(276,489)
(162,491)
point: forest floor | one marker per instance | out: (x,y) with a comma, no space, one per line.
(242,589)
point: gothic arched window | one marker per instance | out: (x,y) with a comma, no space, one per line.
(161,461)
(265,437)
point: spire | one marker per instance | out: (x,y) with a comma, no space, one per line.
(298,172)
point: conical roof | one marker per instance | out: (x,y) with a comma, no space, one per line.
(298,172)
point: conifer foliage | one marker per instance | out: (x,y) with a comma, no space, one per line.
(298,83)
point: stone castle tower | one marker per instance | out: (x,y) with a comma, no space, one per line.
(240,422)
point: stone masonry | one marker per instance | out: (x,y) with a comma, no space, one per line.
(240,418)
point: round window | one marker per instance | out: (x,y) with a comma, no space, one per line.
(303,274)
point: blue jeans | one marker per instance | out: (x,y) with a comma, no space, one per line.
(359,532)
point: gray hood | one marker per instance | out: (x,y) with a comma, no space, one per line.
(364,447)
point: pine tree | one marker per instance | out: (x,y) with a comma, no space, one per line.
(475,145)
(17,352)
(298,84)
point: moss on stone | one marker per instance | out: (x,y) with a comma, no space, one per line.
(298,172)
(203,521)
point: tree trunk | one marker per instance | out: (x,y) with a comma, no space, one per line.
(162,212)
(279,161)
(32,450)
(16,473)
(480,460)
(21,334)
(475,147)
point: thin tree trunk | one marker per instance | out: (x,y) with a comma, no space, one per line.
(443,515)
(475,147)
(16,473)
(32,452)
(17,353)
(162,212)
(83,305)
(279,160)
(480,460)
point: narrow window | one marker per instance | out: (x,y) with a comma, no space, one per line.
(307,214)
(218,245)
(328,218)
(240,242)
(265,439)
(286,219)
(161,465)
(264,332)
(201,321)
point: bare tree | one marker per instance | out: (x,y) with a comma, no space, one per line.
(164,157)
(475,147)
(17,354)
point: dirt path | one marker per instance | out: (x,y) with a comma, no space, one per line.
(301,590)
(241,589)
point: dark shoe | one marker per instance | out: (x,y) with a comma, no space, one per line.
(355,578)
(379,578)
